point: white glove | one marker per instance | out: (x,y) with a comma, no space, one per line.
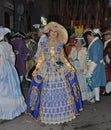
(91,68)
(107,59)
(88,74)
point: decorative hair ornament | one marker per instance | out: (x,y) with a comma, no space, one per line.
(81,39)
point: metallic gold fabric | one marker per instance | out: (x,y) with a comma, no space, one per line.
(39,64)
(65,61)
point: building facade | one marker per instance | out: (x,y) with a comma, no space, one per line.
(7,13)
(20,15)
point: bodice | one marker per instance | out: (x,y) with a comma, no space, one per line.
(52,54)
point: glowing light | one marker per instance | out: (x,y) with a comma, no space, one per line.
(43,20)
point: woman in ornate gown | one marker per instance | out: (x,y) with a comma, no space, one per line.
(54,96)
(12,102)
(78,57)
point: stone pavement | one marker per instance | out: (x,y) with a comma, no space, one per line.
(95,116)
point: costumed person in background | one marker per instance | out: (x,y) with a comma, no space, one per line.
(54,96)
(107,61)
(42,37)
(70,44)
(78,58)
(96,75)
(32,46)
(21,52)
(99,35)
(12,102)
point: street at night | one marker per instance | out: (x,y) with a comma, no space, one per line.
(55,61)
(96,116)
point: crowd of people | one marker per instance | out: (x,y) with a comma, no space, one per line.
(59,83)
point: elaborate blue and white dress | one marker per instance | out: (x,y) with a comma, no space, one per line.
(54,95)
(79,61)
(12,102)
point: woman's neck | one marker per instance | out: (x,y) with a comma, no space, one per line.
(52,42)
(78,48)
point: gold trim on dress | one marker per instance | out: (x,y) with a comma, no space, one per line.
(38,80)
(52,58)
(65,61)
(39,64)
(40,110)
(72,76)
(38,92)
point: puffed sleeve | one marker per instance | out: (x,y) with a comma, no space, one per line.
(65,61)
(39,63)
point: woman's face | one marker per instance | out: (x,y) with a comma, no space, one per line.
(78,43)
(53,33)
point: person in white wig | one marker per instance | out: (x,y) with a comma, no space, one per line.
(98,33)
(12,102)
(42,37)
(96,71)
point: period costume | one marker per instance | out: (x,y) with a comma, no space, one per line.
(31,44)
(36,53)
(21,51)
(12,102)
(95,51)
(79,61)
(42,38)
(107,57)
(107,60)
(96,71)
(54,95)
